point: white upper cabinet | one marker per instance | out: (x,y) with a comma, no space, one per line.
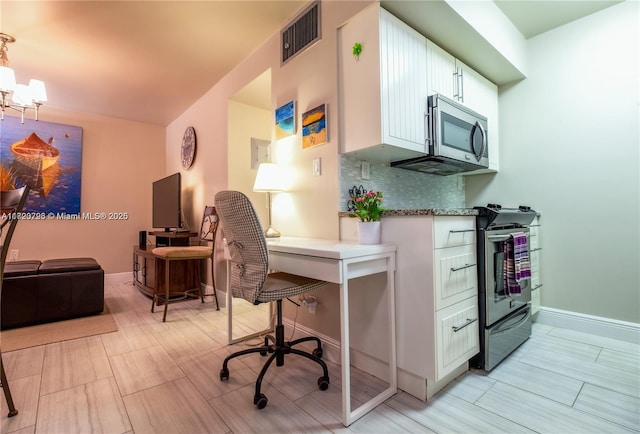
(441,71)
(481,95)
(452,78)
(383,91)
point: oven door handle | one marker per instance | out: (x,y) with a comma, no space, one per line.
(525,316)
(498,238)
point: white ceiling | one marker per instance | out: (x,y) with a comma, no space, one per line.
(149,60)
(533,17)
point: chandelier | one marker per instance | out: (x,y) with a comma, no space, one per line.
(23,97)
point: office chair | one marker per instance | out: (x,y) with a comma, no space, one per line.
(250,279)
(11,201)
(208,231)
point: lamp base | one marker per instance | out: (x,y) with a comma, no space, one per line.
(271,233)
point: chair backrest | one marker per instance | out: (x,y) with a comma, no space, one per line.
(209,226)
(246,243)
(11,201)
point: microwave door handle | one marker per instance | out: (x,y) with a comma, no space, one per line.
(484,140)
(434,125)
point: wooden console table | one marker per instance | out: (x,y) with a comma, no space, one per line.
(164,238)
(149,270)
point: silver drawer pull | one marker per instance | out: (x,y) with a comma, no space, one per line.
(537,287)
(451,231)
(463,267)
(469,321)
(535,250)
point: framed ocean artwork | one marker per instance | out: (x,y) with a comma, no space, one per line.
(314,127)
(286,120)
(47,157)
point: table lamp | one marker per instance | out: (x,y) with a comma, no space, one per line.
(269,180)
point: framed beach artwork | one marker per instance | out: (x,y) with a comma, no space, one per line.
(286,120)
(314,127)
(47,157)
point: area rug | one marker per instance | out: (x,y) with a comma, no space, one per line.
(42,334)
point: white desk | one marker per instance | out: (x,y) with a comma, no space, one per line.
(337,262)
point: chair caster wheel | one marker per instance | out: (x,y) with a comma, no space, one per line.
(224,374)
(323,383)
(317,352)
(12,413)
(263,353)
(260,401)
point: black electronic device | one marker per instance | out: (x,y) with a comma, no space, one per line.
(142,238)
(167,203)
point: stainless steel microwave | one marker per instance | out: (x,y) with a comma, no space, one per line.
(456,140)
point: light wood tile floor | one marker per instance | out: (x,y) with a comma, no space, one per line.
(154,377)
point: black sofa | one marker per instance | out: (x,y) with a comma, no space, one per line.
(35,292)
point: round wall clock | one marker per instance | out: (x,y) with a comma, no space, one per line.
(188,150)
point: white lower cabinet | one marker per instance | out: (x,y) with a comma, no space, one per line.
(436,299)
(456,274)
(457,334)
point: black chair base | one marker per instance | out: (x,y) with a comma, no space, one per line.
(278,349)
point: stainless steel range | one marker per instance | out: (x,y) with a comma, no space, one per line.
(504,282)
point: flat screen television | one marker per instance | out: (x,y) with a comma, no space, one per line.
(167,200)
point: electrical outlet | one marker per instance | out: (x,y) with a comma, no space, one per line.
(317,167)
(13,255)
(310,303)
(365,170)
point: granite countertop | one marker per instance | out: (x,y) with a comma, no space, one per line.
(427,211)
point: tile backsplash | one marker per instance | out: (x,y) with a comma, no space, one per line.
(402,189)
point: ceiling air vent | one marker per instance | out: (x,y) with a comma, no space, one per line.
(303,31)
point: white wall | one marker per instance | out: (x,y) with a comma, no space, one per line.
(310,206)
(246,122)
(570,149)
(120,160)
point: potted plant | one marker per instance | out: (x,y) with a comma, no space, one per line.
(366,205)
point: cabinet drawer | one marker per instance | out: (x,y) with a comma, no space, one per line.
(450,231)
(457,338)
(455,275)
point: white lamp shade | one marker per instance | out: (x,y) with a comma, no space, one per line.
(269,178)
(7,79)
(38,91)
(22,95)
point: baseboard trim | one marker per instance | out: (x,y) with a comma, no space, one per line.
(330,346)
(596,325)
(331,351)
(118,277)
(126,277)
